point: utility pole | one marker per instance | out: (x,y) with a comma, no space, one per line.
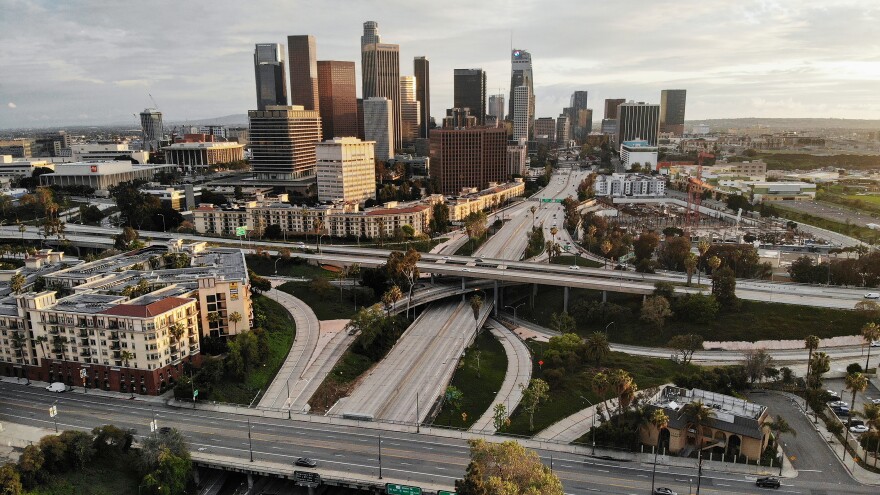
(380,455)
(250,444)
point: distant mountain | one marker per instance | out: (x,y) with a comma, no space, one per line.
(227,120)
(789,124)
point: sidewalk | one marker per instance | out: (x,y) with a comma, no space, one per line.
(78,390)
(519,372)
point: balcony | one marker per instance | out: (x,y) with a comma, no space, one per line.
(85,353)
(54,331)
(113,325)
(84,334)
(114,336)
(84,342)
(117,355)
(115,346)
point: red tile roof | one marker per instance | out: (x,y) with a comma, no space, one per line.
(147,310)
(400,211)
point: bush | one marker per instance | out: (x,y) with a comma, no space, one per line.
(696,308)
(870,441)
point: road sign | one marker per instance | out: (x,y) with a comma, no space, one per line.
(53,411)
(550,200)
(195,393)
(444,492)
(241,231)
(307,478)
(391,489)
(153,426)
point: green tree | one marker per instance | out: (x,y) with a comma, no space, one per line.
(506,469)
(235,318)
(697,415)
(655,310)
(127,239)
(171,475)
(811,343)
(30,463)
(779,427)
(390,297)
(686,345)
(724,287)
(476,303)
(532,396)
(624,387)
(475,225)
(659,420)
(453,397)
(10,481)
(562,322)
(596,347)
(645,245)
(856,383)
(690,264)
(500,418)
(819,365)
(17,283)
(870,332)
(439,218)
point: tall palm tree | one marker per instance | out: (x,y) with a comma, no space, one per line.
(659,420)
(606,248)
(690,264)
(855,382)
(871,413)
(235,317)
(18,342)
(778,427)
(126,357)
(811,343)
(390,297)
(176,331)
(476,305)
(870,332)
(698,414)
(597,347)
(703,247)
(624,387)
(533,209)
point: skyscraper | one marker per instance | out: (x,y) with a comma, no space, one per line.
(611,105)
(270,75)
(468,157)
(638,121)
(521,75)
(282,141)
(380,63)
(577,116)
(379,126)
(470,92)
(672,105)
(496,107)
(303,71)
(545,127)
(521,111)
(421,69)
(563,131)
(152,131)
(409,110)
(337,99)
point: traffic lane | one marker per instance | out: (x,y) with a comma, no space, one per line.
(812,457)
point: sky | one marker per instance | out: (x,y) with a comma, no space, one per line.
(80,62)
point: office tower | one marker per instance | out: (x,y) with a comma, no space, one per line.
(380,66)
(337,99)
(303,71)
(496,107)
(611,105)
(545,128)
(520,110)
(360,119)
(379,126)
(269,74)
(638,121)
(587,121)
(282,142)
(563,131)
(609,126)
(468,157)
(672,104)
(421,69)
(516,158)
(459,118)
(346,170)
(151,129)
(470,92)
(577,116)
(409,110)
(521,75)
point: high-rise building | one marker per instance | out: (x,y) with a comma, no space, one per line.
(611,105)
(516,158)
(152,131)
(379,126)
(282,142)
(521,75)
(469,91)
(303,63)
(270,75)
(468,157)
(409,110)
(380,66)
(521,111)
(577,116)
(458,118)
(360,119)
(545,128)
(421,69)
(337,99)
(609,126)
(495,107)
(637,122)
(672,105)
(346,170)
(563,131)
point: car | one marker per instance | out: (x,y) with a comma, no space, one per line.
(305,462)
(662,490)
(767,482)
(465,269)
(858,429)
(832,395)
(841,411)
(856,422)
(57,387)
(875,401)
(838,403)
(574,267)
(446,258)
(872,295)
(479,260)
(301,244)
(875,343)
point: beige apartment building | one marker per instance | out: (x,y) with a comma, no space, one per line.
(346,170)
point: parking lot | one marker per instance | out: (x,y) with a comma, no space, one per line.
(829,211)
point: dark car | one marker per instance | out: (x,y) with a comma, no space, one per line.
(164,430)
(664,491)
(767,482)
(841,411)
(306,462)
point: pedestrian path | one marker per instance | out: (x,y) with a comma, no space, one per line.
(519,372)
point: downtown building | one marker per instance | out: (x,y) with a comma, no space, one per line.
(346,170)
(200,156)
(563,131)
(495,107)
(672,107)
(638,122)
(422,72)
(282,142)
(521,75)
(379,126)
(471,157)
(270,76)
(152,131)
(337,99)
(410,111)
(523,118)
(380,66)
(545,130)
(630,186)
(580,117)
(469,91)
(302,60)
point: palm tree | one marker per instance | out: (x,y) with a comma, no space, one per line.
(597,347)
(235,317)
(659,420)
(698,414)
(714,262)
(871,414)
(18,342)
(476,306)
(126,357)
(811,343)
(600,384)
(390,297)
(690,264)
(606,248)
(533,209)
(870,332)
(17,283)
(624,388)
(213,317)
(42,339)
(591,237)
(778,427)
(856,382)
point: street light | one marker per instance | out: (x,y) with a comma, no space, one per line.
(276,265)
(380,454)
(514,310)
(593,430)
(163,222)
(250,444)
(606,329)
(319,242)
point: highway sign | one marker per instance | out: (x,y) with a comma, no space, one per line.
(391,489)
(444,492)
(550,200)
(307,478)
(241,231)
(53,411)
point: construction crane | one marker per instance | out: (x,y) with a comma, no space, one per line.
(155,105)
(695,188)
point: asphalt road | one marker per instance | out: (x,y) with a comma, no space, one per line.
(418,458)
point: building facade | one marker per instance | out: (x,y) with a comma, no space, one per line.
(346,170)
(380,66)
(379,126)
(521,75)
(282,142)
(630,185)
(672,107)
(522,116)
(410,111)
(203,155)
(16,148)
(468,158)
(422,72)
(516,158)
(611,105)
(337,99)
(546,127)
(469,91)
(101,175)
(270,75)
(152,131)
(638,122)
(641,152)
(303,62)
(563,131)
(495,107)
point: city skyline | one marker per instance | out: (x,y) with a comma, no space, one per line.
(760,60)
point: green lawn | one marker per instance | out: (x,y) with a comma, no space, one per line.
(265,266)
(869,198)
(565,398)
(327,305)
(96,479)
(478,391)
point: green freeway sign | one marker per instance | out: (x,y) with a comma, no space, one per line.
(195,393)
(241,231)
(444,492)
(392,489)
(550,200)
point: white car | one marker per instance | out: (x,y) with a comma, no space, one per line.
(872,295)
(446,258)
(858,429)
(574,267)
(875,343)
(57,387)
(875,401)
(465,269)
(838,403)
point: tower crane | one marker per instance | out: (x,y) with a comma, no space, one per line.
(695,188)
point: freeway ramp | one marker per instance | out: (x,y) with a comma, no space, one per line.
(404,385)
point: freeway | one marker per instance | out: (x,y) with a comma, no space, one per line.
(426,459)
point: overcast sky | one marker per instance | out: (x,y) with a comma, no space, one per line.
(93,62)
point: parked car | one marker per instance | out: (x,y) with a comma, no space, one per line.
(664,491)
(306,462)
(875,343)
(838,403)
(856,422)
(832,395)
(872,295)
(875,401)
(57,387)
(574,267)
(841,411)
(767,482)
(858,429)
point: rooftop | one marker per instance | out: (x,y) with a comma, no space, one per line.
(147,306)
(730,413)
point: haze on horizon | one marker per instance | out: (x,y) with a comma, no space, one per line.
(83,62)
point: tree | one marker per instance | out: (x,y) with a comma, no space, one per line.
(674,252)
(686,345)
(811,343)
(714,262)
(597,347)
(819,365)
(655,310)
(127,240)
(857,383)
(171,475)
(755,363)
(453,397)
(690,264)
(506,469)
(659,420)
(624,387)
(10,481)
(698,415)
(390,297)
(871,413)
(724,287)
(475,225)
(606,248)
(562,322)
(533,209)
(645,245)
(30,463)
(476,303)
(500,418)
(439,218)
(778,427)
(235,318)
(703,247)
(532,396)
(18,343)
(870,332)
(17,283)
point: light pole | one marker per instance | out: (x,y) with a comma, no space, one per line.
(276,265)
(163,222)
(593,429)
(606,329)
(380,454)
(250,444)
(319,242)
(514,310)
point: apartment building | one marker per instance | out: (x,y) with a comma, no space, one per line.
(630,185)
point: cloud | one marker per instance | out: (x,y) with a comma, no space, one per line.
(11,105)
